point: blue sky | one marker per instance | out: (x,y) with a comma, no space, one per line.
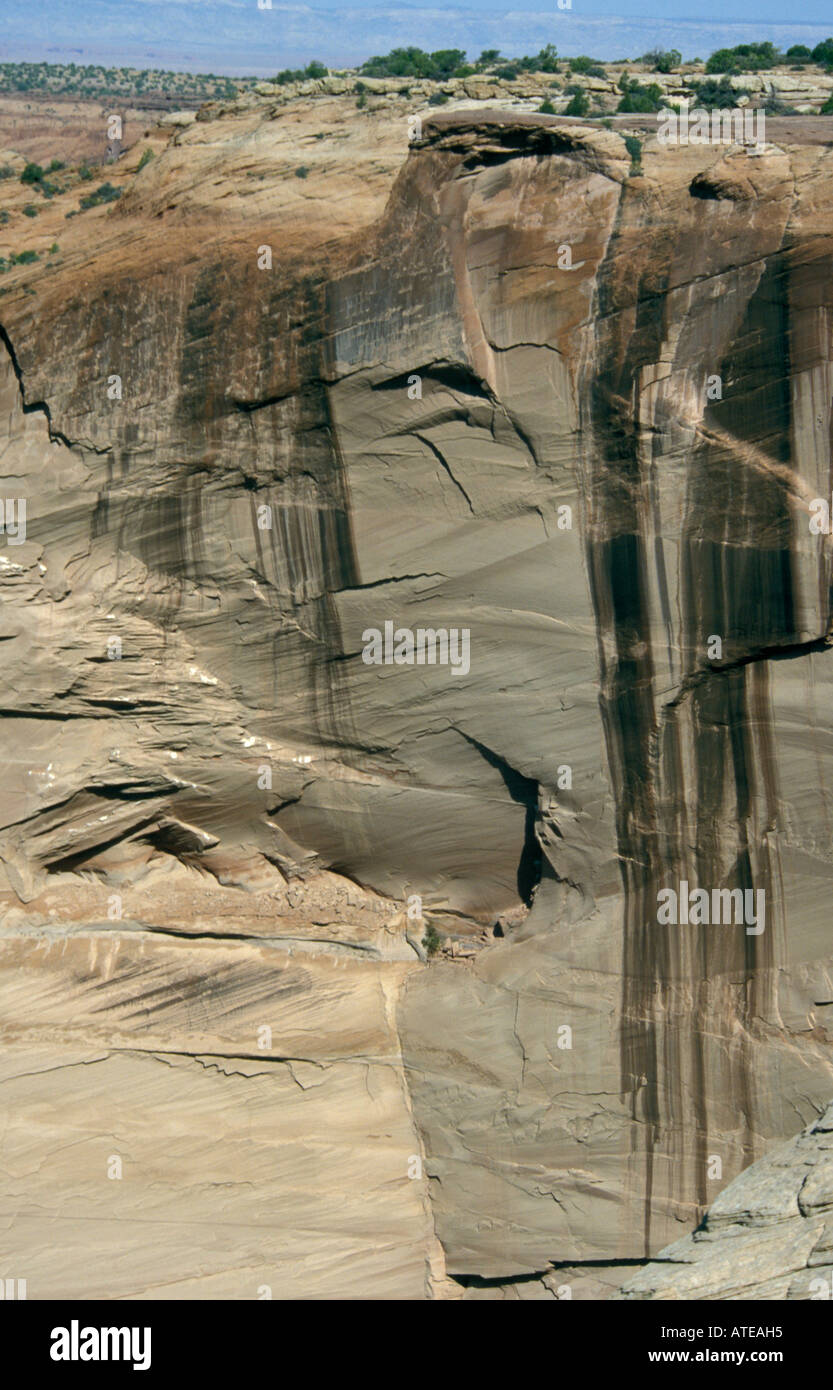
(236,37)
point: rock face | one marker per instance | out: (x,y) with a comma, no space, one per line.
(576,410)
(769,1235)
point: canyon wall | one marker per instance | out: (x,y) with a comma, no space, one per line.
(520,387)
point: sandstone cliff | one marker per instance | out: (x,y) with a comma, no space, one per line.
(767,1236)
(216,815)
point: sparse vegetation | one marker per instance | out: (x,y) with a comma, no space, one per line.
(720,96)
(744,57)
(432,941)
(313,69)
(18,258)
(105,193)
(413,62)
(93,81)
(774,106)
(587,66)
(147,156)
(451,62)
(662,60)
(637,98)
(633,145)
(579,103)
(823,53)
(438,99)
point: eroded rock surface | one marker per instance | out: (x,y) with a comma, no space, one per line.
(201,768)
(769,1235)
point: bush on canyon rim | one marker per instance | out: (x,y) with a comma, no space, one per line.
(414,62)
(587,66)
(823,53)
(721,96)
(662,60)
(451,62)
(579,104)
(637,98)
(313,69)
(744,57)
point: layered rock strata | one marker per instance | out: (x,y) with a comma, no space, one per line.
(576,408)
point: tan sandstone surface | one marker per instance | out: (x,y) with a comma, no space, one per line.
(224,822)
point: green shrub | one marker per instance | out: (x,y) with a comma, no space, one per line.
(54,249)
(744,57)
(85,172)
(432,941)
(633,145)
(301,172)
(547,59)
(313,69)
(4,217)
(660,60)
(438,99)
(827,109)
(361,101)
(637,98)
(33,173)
(6,171)
(718,96)
(774,106)
(546,108)
(414,62)
(578,104)
(823,53)
(508,73)
(54,166)
(147,156)
(799,50)
(30,210)
(105,193)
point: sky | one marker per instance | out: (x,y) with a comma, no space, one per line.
(238,37)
